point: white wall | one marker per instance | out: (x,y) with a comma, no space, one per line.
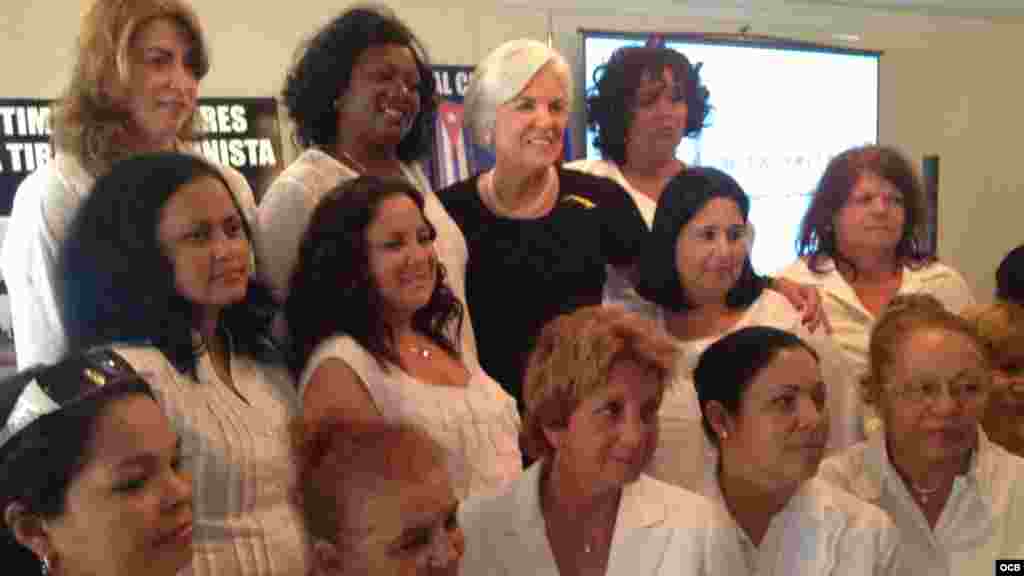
(948,86)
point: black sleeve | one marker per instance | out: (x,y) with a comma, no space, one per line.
(624,232)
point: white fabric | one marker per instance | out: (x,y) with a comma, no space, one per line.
(852,322)
(659,530)
(288,205)
(477,424)
(983,519)
(683,448)
(44,206)
(240,456)
(822,531)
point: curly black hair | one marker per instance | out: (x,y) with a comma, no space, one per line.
(324,70)
(611,100)
(331,288)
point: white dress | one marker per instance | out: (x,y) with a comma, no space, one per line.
(288,205)
(477,424)
(239,452)
(683,449)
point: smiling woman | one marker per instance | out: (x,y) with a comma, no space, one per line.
(133,89)
(158,262)
(92,477)
(553,231)
(375,328)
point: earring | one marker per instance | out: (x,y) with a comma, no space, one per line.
(46,565)
(252,262)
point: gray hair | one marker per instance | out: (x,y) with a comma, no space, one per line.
(501,76)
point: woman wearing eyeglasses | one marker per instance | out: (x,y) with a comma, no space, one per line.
(957,498)
(92,479)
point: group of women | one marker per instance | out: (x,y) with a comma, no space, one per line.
(350,377)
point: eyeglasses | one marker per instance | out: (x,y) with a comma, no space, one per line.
(62,385)
(966,392)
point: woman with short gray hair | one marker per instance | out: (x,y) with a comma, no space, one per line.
(552,230)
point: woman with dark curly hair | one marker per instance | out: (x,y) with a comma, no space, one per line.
(362,100)
(157,262)
(133,89)
(645,100)
(375,329)
(860,244)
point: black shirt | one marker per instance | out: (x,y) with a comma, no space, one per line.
(521,273)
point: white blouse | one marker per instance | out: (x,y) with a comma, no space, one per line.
(288,205)
(683,449)
(822,531)
(243,467)
(660,530)
(477,424)
(851,321)
(982,521)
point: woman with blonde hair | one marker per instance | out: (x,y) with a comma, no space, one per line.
(133,89)
(594,383)
(956,496)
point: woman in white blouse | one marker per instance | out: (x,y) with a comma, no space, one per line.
(361,97)
(158,261)
(697,270)
(957,497)
(375,329)
(131,59)
(594,382)
(763,401)
(862,243)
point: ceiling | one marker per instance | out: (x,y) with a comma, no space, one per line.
(992,9)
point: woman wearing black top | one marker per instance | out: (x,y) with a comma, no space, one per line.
(539,237)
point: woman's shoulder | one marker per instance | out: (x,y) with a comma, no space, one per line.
(312,172)
(341,347)
(590,185)
(859,513)
(775,310)
(844,468)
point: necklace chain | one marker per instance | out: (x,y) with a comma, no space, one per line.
(359,167)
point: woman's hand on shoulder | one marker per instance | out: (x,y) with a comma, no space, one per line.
(806,299)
